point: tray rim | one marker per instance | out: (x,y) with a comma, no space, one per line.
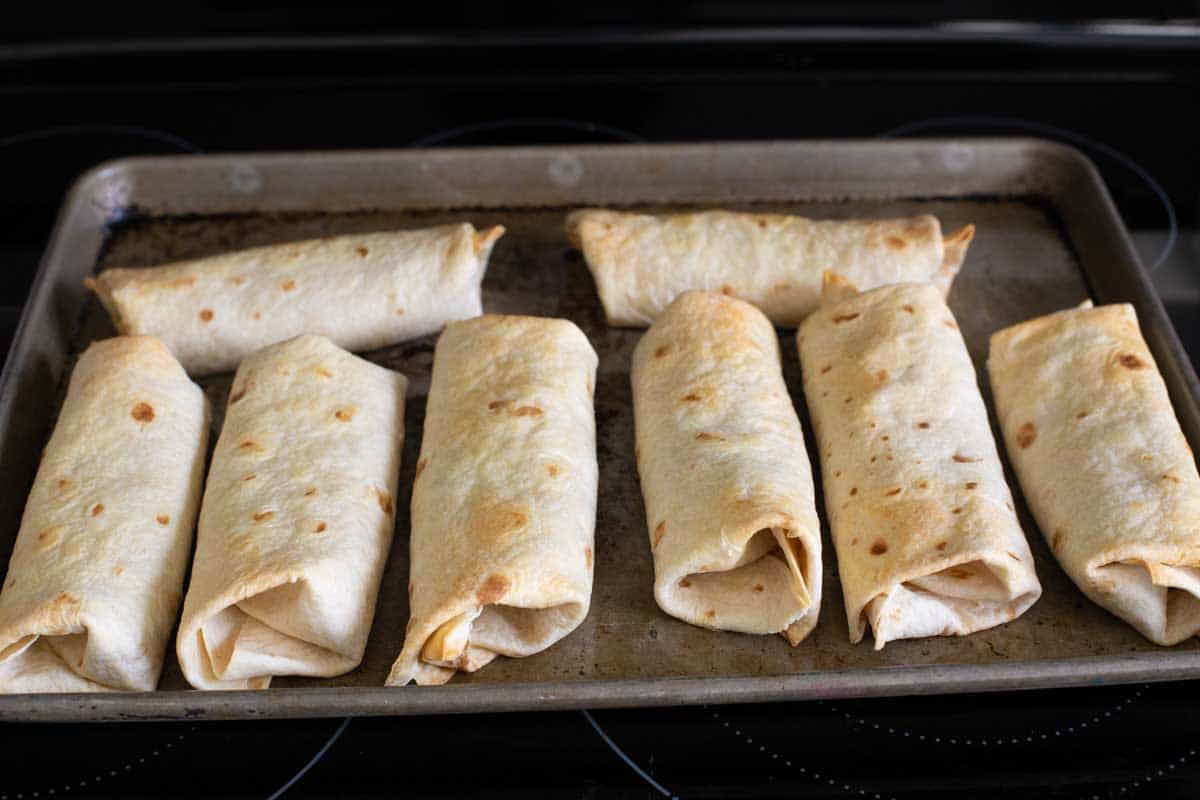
(81,212)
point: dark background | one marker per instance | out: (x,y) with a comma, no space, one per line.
(1118,80)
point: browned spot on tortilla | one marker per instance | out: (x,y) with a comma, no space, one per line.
(1170,478)
(206,315)
(942,545)
(492,590)
(710,613)
(320,527)
(410,588)
(684,583)
(884,438)
(956,510)
(63,483)
(970,484)
(250,477)
(1056,539)
(660,530)
(495,406)
(1081,414)
(961,459)
(237,280)
(826,368)
(922,425)
(727,290)
(853,491)
(263,516)
(874,459)
(324,373)
(760,222)
(143,412)
(528,411)
(252,446)
(881,376)
(958,574)
(949,323)
(238,395)
(879,547)
(837,474)
(257,315)
(552,470)
(759,588)
(118,570)
(163,519)
(399,312)
(893,492)
(384,499)
(310,492)
(587,557)
(708,437)
(180,283)
(908,308)
(1026,435)
(923,485)
(1130,361)
(848,400)
(1013,555)
(493,524)
(691,398)
(896,243)
(421,465)
(48,537)
(288,285)
(662,351)
(362,251)
(97,509)
(345,414)
(840,318)
(854,541)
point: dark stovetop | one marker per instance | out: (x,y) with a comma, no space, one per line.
(71,104)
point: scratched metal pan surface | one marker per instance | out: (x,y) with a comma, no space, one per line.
(1048,236)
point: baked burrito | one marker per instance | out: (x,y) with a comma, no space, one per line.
(641,262)
(362,291)
(730,504)
(927,539)
(1103,464)
(297,518)
(504,503)
(96,573)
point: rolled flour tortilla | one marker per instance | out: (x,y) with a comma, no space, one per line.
(504,504)
(927,540)
(362,291)
(297,518)
(97,569)
(641,262)
(1103,464)
(730,503)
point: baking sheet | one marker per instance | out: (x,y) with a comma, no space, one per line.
(1046,236)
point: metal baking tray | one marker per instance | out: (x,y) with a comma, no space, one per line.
(1048,235)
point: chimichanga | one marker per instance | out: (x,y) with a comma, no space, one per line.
(504,504)
(927,539)
(297,518)
(729,493)
(641,262)
(362,291)
(96,573)
(1103,464)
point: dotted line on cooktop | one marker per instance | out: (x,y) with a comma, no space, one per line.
(775,757)
(100,778)
(1150,777)
(1027,737)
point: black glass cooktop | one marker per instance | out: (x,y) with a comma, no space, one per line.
(1128,103)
